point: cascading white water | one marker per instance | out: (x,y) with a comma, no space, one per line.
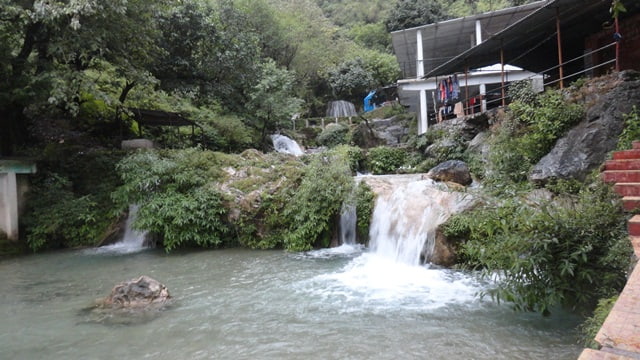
(407,212)
(132,240)
(348,219)
(286,145)
(341,108)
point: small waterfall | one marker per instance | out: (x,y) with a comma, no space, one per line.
(286,145)
(407,213)
(348,220)
(341,108)
(132,240)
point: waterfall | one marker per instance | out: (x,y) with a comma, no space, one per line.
(286,145)
(341,108)
(132,240)
(407,213)
(348,220)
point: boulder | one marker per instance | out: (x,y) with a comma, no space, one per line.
(393,130)
(467,128)
(585,146)
(452,170)
(138,293)
(444,251)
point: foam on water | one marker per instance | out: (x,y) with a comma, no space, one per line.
(373,283)
(344,250)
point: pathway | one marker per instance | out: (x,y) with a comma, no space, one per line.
(619,336)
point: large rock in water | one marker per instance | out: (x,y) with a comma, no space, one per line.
(136,301)
(585,147)
(452,170)
(137,293)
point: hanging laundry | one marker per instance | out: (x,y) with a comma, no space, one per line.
(456,87)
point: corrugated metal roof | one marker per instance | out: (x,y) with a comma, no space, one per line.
(531,41)
(444,40)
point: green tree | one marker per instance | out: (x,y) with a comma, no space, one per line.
(272,101)
(411,13)
(371,36)
(351,80)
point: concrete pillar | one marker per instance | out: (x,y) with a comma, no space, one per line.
(483,88)
(483,93)
(419,55)
(9,205)
(423,123)
(478,32)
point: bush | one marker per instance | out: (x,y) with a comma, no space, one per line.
(529,134)
(631,131)
(549,255)
(365,202)
(590,327)
(385,160)
(175,197)
(71,206)
(334,135)
(57,217)
(316,203)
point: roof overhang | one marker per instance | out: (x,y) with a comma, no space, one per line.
(444,40)
(531,42)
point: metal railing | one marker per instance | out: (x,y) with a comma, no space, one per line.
(547,74)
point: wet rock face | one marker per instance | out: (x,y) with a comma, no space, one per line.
(585,147)
(137,293)
(452,170)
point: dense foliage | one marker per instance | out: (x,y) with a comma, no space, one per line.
(195,197)
(631,130)
(570,252)
(318,200)
(69,201)
(529,134)
(385,160)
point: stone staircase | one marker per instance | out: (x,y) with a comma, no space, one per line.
(619,336)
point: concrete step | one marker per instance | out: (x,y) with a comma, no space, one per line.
(635,242)
(627,189)
(634,226)
(624,176)
(591,354)
(626,154)
(631,202)
(635,144)
(620,329)
(622,165)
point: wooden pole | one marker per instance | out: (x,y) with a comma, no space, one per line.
(559,35)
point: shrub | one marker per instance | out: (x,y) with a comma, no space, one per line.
(57,217)
(529,134)
(631,131)
(590,327)
(549,255)
(365,202)
(71,206)
(334,135)
(175,197)
(317,201)
(385,160)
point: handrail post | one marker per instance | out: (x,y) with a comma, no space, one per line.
(559,35)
